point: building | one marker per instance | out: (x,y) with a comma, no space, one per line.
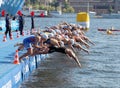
(99,6)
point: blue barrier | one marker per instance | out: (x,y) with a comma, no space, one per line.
(42,56)
(6,81)
(20,73)
(11,79)
(25,69)
(16,76)
(38,59)
(32,63)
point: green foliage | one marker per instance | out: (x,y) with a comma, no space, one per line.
(110,9)
(67,8)
(66,5)
(70,10)
(55,5)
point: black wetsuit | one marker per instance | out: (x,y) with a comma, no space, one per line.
(47,41)
(21,24)
(32,22)
(52,48)
(56,49)
(8,25)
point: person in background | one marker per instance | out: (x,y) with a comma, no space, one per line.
(32,23)
(8,25)
(21,23)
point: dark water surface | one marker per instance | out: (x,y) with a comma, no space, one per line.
(100,68)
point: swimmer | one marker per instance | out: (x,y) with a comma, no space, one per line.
(28,43)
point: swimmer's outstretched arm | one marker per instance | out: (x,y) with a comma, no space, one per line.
(86,44)
(87,39)
(80,47)
(76,59)
(70,53)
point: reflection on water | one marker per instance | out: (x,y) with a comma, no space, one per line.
(100,68)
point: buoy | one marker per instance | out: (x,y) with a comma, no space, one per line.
(83,20)
(16,58)
(109,32)
(4,38)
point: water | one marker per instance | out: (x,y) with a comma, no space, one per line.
(101,68)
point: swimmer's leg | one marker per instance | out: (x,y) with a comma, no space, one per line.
(18,44)
(29,52)
(21,46)
(80,47)
(37,51)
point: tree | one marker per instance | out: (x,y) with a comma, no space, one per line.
(55,4)
(110,9)
(67,8)
(66,5)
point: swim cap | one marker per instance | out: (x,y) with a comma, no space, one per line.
(66,36)
(70,27)
(66,31)
(72,24)
(62,44)
(51,35)
(65,27)
(45,36)
(75,32)
(58,36)
(58,31)
(72,41)
(53,31)
(79,26)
